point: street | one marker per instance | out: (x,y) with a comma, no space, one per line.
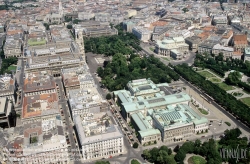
(131,152)
(69,130)
(229,115)
(216,130)
(189,59)
(19,75)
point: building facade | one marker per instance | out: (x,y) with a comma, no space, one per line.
(151,110)
(240,43)
(247,54)
(98,140)
(167,45)
(141,33)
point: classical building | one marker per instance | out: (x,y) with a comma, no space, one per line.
(220,20)
(36,83)
(128,25)
(177,123)
(13,46)
(55,17)
(240,42)
(247,54)
(86,15)
(94,29)
(100,31)
(159,32)
(206,47)
(39,107)
(8,87)
(86,100)
(39,142)
(131,13)
(152,109)
(5,108)
(143,125)
(175,44)
(102,17)
(53,58)
(98,136)
(141,33)
(193,43)
(225,50)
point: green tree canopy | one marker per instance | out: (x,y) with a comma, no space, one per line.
(102,162)
(108,96)
(135,145)
(69,26)
(234,78)
(185,10)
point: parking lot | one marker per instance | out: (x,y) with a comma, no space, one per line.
(128,132)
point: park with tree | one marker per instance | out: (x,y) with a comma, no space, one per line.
(210,150)
(124,43)
(121,70)
(228,101)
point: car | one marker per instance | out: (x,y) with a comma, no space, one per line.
(202,136)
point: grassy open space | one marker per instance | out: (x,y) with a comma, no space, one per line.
(215,80)
(10,68)
(33,42)
(237,94)
(203,111)
(206,74)
(225,86)
(228,123)
(135,162)
(152,49)
(196,160)
(165,58)
(246,101)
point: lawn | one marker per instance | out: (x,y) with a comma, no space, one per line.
(203,111)
(152,49)
(10,68)
(228,123)
(206,74)
(33,42)
(135,162)
(237,94)
(246,101)
(225,86)
(165,58)
(196,160)
(215,80)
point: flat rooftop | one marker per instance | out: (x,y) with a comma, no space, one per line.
(38,81)
(111,132)
(175,116)
(155,102)
(38,105)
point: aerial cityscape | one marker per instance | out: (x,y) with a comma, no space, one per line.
(124,82)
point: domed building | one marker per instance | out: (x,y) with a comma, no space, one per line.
(174,47)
